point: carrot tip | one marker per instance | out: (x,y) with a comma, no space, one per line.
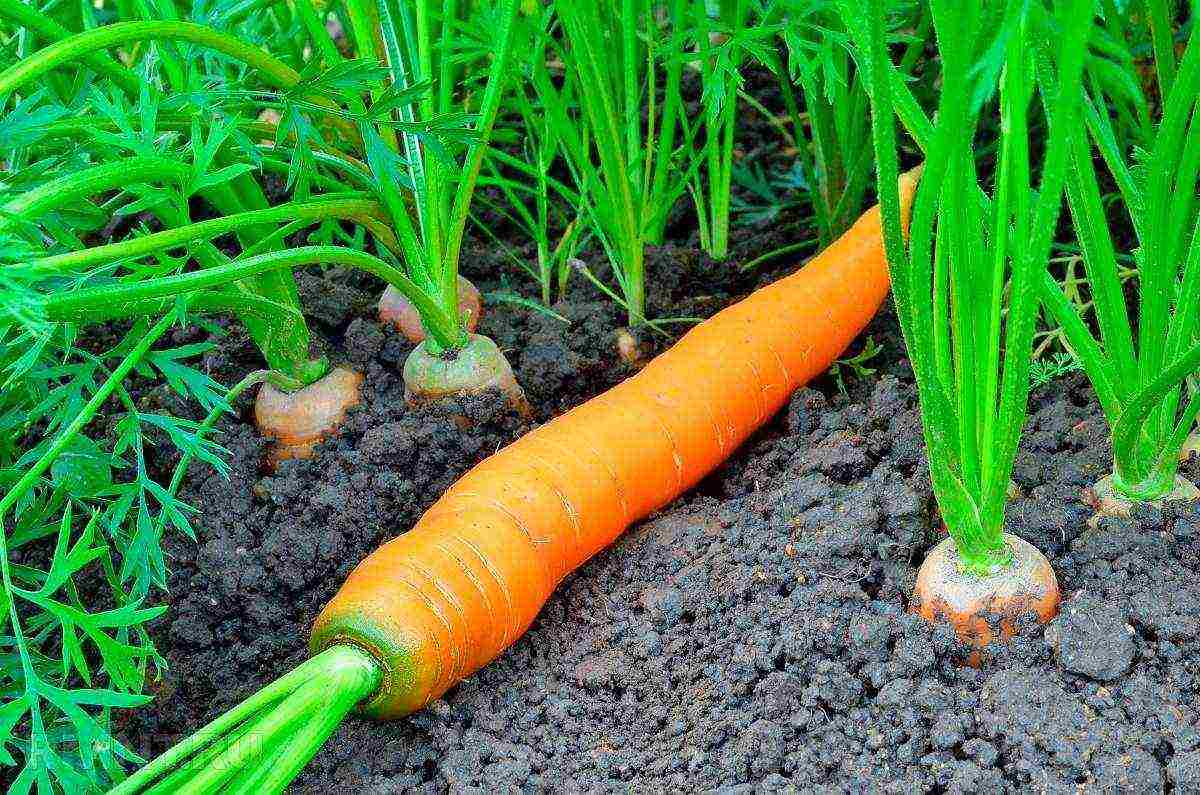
(394,308)
(476,368)
(945,593)
(1106,501)
(298,421)
(1190,447)
(633,349)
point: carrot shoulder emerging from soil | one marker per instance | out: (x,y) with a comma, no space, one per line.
(439,602)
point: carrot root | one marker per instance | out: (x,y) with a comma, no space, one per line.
(298,421)
(946,593)
(632,348)
(397,310)
(1106,501)
(1191,446)
(442,600)
(477,368)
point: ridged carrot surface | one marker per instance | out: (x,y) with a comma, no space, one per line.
(439,602)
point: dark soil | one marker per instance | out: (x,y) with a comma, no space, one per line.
(755,634)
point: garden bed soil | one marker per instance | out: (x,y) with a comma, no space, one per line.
(754,634)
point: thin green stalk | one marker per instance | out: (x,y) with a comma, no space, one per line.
(616,160)
(791,248)
(284,723)
(721,127)
(419,43)
(1162,31)
(27,16)
(1084,346)
(72,187)
(1034,258)
(660,140)
(107,302)
(352,207)
(317,32)
(1100,263)
(1143,484)
(86,44)
(953,25)
(489,108)
(1012,170)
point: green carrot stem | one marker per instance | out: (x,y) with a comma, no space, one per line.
(27,16)
(72,187)
(1130,424)
(88,43)
(107,302)
(351,207)
(321,691)
(489,108)
(82,45)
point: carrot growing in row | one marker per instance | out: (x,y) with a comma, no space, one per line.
(629,167)
(429,62)
(966,283)
(442,600)
(1141,380)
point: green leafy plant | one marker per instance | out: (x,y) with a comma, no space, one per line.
(1140,370)
(137,137)
(621,142)
(131,193)
(428,53)
(829,112)
(409,189)
(1043,371)
(966,281)
(855,366)
(723,38)
(546,211)
(86,524)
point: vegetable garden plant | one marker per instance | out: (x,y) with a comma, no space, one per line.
(1139,365)
(965,285)
(163,165)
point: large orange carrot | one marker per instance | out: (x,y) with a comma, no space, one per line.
(437,603)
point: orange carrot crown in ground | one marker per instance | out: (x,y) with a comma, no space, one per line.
(441,601)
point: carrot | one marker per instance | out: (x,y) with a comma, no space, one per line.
(394,308)
(965,600)
(437,603)
(297,421)
(478,367)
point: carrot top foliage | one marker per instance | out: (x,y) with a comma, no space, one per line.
(1140,370)
(966,280)
(87,520)
(630,166)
